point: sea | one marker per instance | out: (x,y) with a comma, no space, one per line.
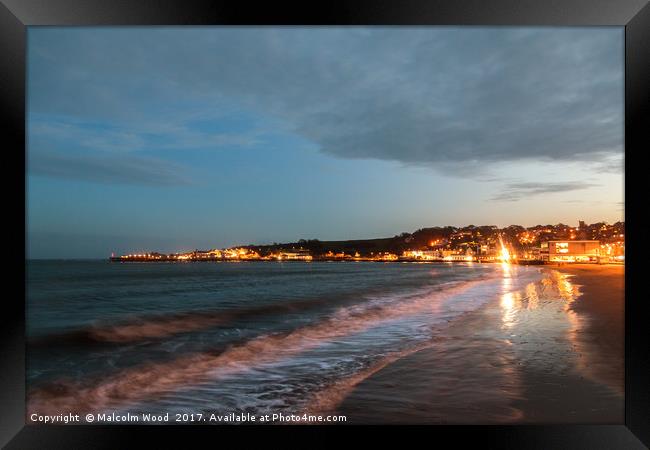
(235,337)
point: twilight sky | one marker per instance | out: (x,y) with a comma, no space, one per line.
(179,138)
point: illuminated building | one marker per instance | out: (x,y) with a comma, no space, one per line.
(462,257)
(295,255)
(339,255)
(570,251)
(421,254)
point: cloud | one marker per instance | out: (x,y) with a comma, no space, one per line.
(518,191)
(453,99)
(614,164)
(111,169)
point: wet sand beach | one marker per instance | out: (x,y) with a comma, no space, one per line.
(552,353)
(602,307)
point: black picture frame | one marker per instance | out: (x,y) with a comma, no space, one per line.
(17,15)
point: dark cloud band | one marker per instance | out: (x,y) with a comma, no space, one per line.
(439,97)
(519,191)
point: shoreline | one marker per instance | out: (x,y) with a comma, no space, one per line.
(601,308)
(317,259)
(529,358)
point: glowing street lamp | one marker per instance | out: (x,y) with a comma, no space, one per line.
(504,254)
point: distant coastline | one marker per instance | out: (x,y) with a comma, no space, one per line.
(317,259)
(486,243)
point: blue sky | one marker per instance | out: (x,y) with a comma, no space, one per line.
(179,138)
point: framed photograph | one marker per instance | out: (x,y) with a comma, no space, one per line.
(410,217)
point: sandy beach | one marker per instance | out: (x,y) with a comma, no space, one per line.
(602,307)
(550,354)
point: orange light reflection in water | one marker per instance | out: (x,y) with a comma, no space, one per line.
(554,294)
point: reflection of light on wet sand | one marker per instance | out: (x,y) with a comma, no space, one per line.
(532,296)
(518,357)
(509,309)
(542,326)
(585,358)
(508,298)
(557,326)
(599,355)
(507,271)
(570,293)
(561,283)
(513,302)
